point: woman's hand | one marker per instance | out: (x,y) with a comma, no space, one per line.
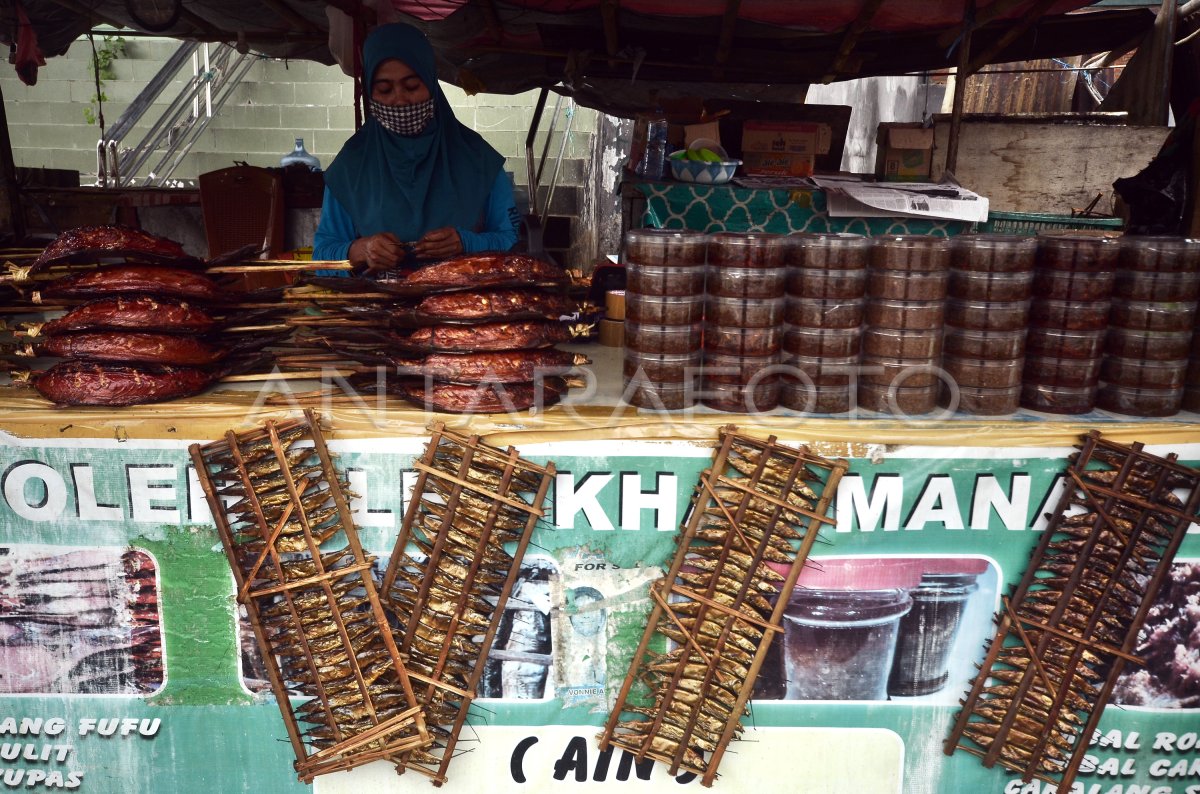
(379,251)
(438,244)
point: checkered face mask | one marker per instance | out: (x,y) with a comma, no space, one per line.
(406,120)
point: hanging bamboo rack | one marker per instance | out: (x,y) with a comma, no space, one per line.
(313,608)
(1072,624)
(468,501)
(759,502)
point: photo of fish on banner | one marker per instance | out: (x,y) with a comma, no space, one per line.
(79,621)
(108,315)
(517,668)
(475,333)
(881,628)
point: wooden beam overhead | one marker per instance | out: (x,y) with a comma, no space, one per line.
(853,31)
(199,23)
(1031,18)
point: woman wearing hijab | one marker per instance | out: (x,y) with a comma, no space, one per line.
(414,183)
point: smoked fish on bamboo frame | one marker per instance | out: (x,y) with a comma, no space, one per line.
(1072,622)
(471,501)
(760,502)
(313,607)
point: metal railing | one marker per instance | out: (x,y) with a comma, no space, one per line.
(215,71)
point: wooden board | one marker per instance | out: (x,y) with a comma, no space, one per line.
(1046,167)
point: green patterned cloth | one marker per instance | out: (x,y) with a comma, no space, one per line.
(718,208)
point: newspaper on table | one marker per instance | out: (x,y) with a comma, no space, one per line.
(854,199)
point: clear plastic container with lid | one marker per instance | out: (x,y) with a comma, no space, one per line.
(898,401)
(747,249)
(996,345)
(1074,285)
(741,399)
(1058,399)
(810,371)
(993,253)
(908,285)
(1076,252)
(926,315)
(664,248)
(655,338)
(1071,372)
(816,399)
(982,373)
(911,252)
(664,309)
(1152,345)
(986,315)
(1069,315)
(813,283)
(1139,402)
(1152,315)
(982,402)
(741,282)
(1135,286)
(1143,374)
(822,342)
(899,372)
(662,367)
(902,343)
(1058,343)
(660,396)
(1191,398)
(969,285)
(817,313)
(737,341)
(1160,254)
(743,312)
(658,280)
(832,250)
(742,370)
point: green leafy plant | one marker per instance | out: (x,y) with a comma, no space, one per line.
(111,48)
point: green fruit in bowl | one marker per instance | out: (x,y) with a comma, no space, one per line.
(694,156)
(679,154)
(709,156)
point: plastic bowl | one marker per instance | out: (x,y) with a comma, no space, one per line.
(703,173)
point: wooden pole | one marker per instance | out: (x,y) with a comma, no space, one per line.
(960,87)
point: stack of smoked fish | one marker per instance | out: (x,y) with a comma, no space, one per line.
(754,517)
(470,334)
(450,574)
(1072,623)
(142,327)
(313,606)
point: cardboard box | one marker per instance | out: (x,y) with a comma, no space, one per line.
(904,152)
(783,148)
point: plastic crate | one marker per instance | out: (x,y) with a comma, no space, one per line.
(1034,222)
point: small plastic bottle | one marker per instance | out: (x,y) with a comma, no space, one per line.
(656,147)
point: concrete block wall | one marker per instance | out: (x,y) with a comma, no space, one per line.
(277,102)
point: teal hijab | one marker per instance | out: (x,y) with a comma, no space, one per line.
(410,185)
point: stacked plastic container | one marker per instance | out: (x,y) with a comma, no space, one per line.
(664,309)
(1150,326)
(743,321)
(902,340)
(1072,290)
(987,311)
(822,335)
